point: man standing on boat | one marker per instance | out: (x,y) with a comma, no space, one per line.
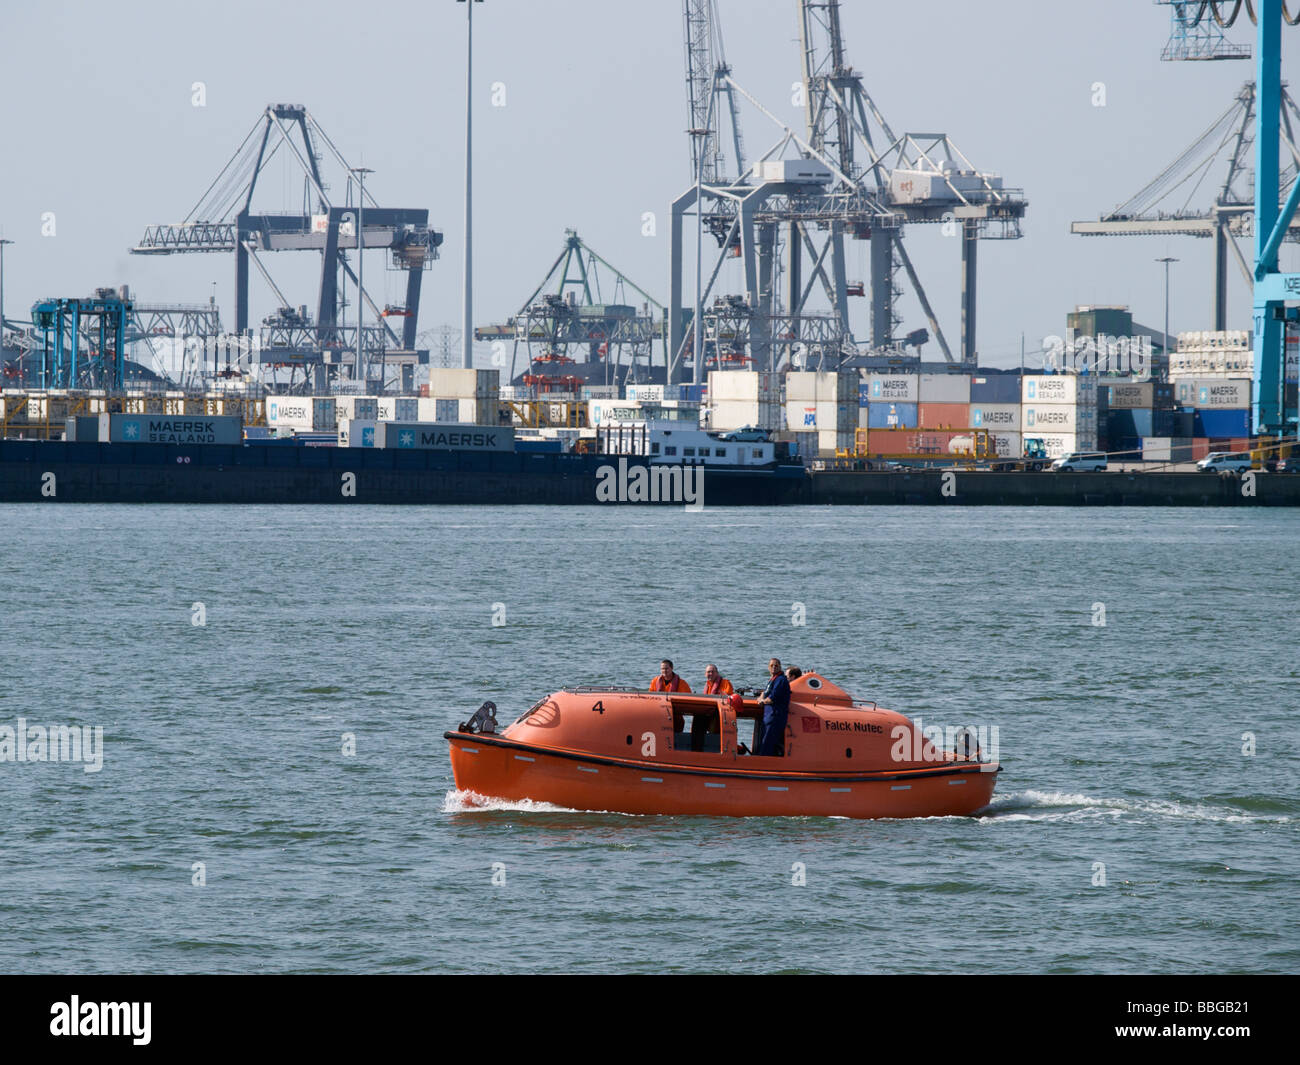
(668,681)
(715,683)
(775,701)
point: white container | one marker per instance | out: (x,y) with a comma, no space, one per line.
(1039,389)
(652,393)
(614,412)
(357,432)
(399,408)
(598,392)
(807,385)
(1058,418)
(834,441)
(316,414)
(1004,417)
(751,385)
(446,383)
(736,414)
(1007,445)
(1059,444)
(897,388)
(424,436)
(362,407)
(944,388)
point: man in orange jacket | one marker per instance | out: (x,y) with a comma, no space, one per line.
(715,683)
(668,681)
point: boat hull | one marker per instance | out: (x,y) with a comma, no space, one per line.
(494,767)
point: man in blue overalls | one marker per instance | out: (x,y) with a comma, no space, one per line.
(776,706)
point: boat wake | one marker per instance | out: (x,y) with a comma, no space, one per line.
(1067,806)
(464,802)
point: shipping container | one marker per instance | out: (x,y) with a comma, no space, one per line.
(996,389)
(742,385)
(894,388)
(614,412)
(653,393)
(736,414)
(364,407)
(943,415)
(400,408)
(824,416)
(944,388)
(301,413)
(1058,445)
(892,416)
(448,383)
(166,429)
(1076,389)
(599,392)
(432,436)
(1222,423)
(1007,445)
(808,386)
(86,428)
(996,416)
(1147,395)
(357,432)
(1058,418)
(829,442)
(1213,393)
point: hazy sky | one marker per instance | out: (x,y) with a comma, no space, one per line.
(100,129)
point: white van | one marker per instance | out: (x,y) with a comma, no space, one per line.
(1223,461)
(1081,460)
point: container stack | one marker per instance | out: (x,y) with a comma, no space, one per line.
(888,401)
(995,407)
(1137,410)
(825,404)
(739,398)
(944,401)
(476,395)
(1061,410)
(292,415)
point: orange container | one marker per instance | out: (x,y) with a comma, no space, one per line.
(943,415)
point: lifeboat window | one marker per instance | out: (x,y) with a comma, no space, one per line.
(688,451)
(697,727)
(654,448)
(720,452)
(670,450)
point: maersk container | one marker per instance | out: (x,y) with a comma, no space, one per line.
(892,416)
(363,407)
(1076,389)
(302,413)
(1059,445)
(1146,395)
(893,388)
(944,388)
(1222,423)
(1001,416)
(166,429)
(1007,445)
(399,408)
(357,432)
(432,436)
(1058,418)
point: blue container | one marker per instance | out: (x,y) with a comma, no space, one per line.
(892,416)
(1222,423)
(539,447)
(864,395)
(693,393)
(995,388)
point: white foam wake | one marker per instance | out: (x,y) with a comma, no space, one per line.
(1031,805)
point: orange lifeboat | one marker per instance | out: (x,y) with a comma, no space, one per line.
(626,750)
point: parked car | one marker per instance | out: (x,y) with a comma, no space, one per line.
(1224,462)
(1081,460)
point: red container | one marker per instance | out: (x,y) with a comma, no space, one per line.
(1200,448)
(943,415)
